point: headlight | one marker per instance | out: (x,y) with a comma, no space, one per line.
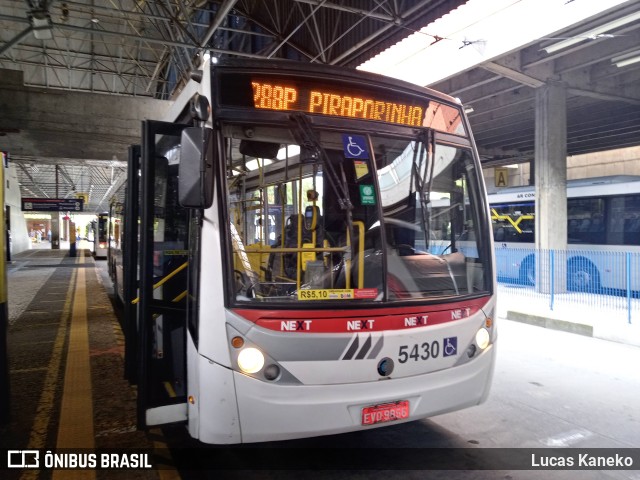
(482,338)
(250,360)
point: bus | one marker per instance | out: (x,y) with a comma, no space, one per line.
(280,261)
(114,248)
(101,235)
(603,224)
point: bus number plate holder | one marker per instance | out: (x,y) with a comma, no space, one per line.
(387,412)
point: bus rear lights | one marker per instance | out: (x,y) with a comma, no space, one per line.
(237,342)
(250,360)
(272,372)
(482,338)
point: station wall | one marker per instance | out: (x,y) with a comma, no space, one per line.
(624,161)
(19,235)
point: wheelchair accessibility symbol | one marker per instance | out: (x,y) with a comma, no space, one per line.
(450,346)
(355,146)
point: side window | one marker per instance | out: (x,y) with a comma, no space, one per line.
(623,225)
(513,222)
(586,220)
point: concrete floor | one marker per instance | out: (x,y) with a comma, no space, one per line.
(551,389)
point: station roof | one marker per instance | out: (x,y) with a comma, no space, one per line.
(147,49)
(502,52)
(598,60)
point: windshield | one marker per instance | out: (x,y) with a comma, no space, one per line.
(347,216)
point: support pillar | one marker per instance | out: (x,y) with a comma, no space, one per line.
(55,231)
(64,234)
(551,185)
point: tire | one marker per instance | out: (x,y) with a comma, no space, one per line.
(528,272)
(582,276)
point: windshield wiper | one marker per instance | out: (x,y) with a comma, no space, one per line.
(423,175)
(306,137)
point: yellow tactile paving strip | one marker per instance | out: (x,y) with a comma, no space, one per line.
(47,398)
(75,429)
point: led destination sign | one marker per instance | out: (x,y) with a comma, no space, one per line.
(273,96)
(290,93)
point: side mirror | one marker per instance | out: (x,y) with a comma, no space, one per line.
(195,173)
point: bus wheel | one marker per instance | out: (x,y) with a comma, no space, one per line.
(528,272)
(582,276)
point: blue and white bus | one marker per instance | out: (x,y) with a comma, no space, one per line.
(603,225)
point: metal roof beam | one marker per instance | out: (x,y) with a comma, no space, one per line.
(512,74)
(32,180)
(221,15)
(358,11)
(15,40)
(399,22)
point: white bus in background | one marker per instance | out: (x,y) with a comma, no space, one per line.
(603,225)
(101,235)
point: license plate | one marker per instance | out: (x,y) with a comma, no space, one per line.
(387,412)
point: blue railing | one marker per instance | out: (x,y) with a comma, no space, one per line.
(605,282)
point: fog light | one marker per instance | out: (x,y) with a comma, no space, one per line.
(471,351)
(385,367)
(250,360)
(482,338)
(271,372)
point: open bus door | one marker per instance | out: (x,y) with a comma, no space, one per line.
(130,253)
(163,258)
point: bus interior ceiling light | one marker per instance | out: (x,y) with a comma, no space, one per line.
(594,33)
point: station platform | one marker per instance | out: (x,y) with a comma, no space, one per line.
(66,360)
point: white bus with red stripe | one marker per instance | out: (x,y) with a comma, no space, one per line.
(289,284)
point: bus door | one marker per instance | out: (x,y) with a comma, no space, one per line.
(130,255)
(163,280)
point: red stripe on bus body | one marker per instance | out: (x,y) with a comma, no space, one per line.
(365,320)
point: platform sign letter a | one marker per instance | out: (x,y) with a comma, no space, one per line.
(502,177)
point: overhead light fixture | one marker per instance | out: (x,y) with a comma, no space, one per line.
(626,59)
(40,20)
(599,32)
(468,110)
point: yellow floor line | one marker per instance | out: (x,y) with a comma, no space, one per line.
(38,436)
(45,405)
(75,430)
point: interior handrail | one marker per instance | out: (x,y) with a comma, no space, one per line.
(164,280)
(360,225)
